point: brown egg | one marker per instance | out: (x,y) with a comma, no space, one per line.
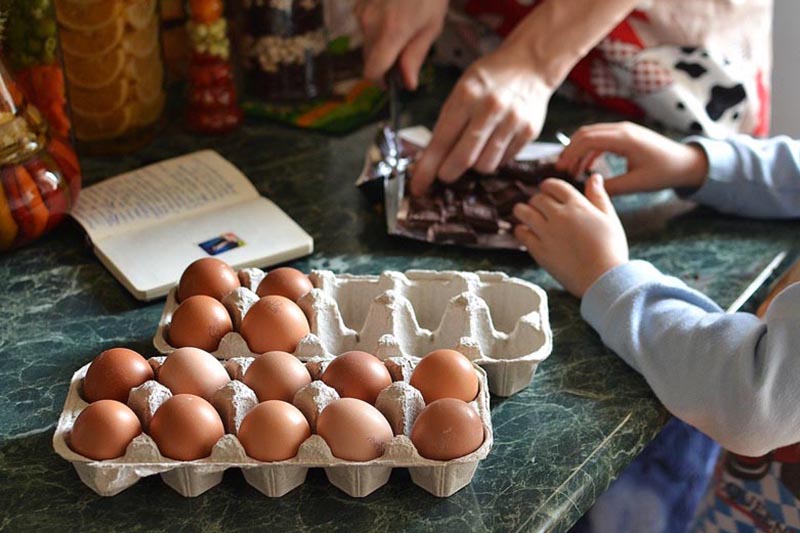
(287,282)
(103,430)
(273,431)
(192,371)
(274,323)
(357,375)
(445,374)
(199,321)
(113,374)
(208,276)
(186,427)
(354,430)
(276,376)
(447,429)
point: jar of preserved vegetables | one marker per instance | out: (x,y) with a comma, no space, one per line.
(30,48)
(39,173)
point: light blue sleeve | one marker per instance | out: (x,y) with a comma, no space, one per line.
(733,376)
(757,178)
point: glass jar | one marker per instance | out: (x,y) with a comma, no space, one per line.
(212,101)
(30,47)
(39,172)
(282,45)
(114,71)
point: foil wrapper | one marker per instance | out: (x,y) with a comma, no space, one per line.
(474,212)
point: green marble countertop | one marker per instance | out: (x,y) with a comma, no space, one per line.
(558,443)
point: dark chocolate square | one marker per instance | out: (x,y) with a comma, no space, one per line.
(481,216)
(453,233)
(533,172)
(423,203)
(451,206)
(505,200)
(423,212)
(494,185)
(525,189)
(466,185)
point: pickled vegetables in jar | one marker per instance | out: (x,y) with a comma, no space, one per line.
(30,47)
(114,71)
(39,172)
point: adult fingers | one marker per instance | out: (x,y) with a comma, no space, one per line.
(449,126)
(370,22)
(412,57)
(524,134)
(472,140)
(388,37)
(497,145)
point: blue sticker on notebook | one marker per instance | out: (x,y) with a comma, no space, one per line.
(223,243)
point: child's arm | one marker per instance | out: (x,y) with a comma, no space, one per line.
(741,175)
(751,177)
(734,376)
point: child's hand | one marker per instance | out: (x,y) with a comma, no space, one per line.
(574,237)
(654,161)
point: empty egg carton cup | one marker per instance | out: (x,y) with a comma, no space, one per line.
(399,402)
(499,322)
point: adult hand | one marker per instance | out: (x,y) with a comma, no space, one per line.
(654,161)
(497,106)
(399,31)
(576,238)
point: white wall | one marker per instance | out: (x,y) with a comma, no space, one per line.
(786,69)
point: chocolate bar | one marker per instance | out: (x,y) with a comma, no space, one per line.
(477,209)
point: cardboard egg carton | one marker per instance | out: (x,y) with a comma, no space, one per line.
(498,322)
(399,402)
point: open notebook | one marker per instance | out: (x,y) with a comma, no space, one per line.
(149,224)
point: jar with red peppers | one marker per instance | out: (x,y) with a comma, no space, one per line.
(212,100)
(282,45)
(39,173)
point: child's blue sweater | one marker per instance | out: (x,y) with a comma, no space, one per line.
(733,376)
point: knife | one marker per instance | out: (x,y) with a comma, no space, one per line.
(394,80)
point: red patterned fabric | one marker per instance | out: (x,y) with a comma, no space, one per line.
(633,70)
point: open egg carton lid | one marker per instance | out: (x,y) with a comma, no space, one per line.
(499,322)
(399,402)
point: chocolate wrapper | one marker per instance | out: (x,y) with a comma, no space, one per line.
(476,211)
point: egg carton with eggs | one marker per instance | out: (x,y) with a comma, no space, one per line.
(400,403)
(499,322)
